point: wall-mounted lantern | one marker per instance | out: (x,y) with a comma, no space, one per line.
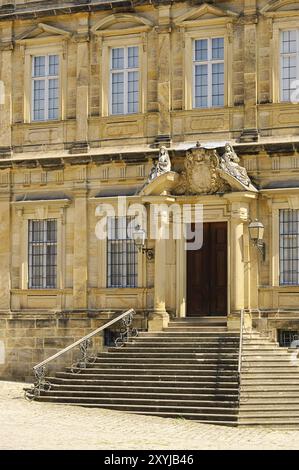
(256,234)
(139,237)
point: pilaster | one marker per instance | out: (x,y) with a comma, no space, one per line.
(250,131)
(159,318)
(6,91)
(80,260)
(82,101)
(164,90)
(5,250)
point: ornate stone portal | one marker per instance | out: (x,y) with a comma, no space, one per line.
(204,172)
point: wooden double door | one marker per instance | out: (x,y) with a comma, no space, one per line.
(207,273)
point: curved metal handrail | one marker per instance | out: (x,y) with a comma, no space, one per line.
(41,384)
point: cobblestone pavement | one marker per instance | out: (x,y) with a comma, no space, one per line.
(26,425)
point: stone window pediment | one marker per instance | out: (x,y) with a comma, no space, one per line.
(43,33)
(119,24)
(278,8)
(205,13)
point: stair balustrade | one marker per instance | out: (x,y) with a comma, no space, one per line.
(85,357)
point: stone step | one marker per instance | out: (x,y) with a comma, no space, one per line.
(200,365)
(181,335)
(209,330)
(195,359)
(164,401)
(255,402)
(151,349)
(124,353)
(181,339)
(275,411)
(141,385)
(267,346)
(201,377)
(267,385)
(273,423)
(219,419)
(143,370)
(271,394)
(141,407)
(196,328)
(217,321)
(140,392)
(261,353)
(270,362)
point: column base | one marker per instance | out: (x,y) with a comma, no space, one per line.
(158,320)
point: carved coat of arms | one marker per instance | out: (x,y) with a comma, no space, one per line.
(200,174)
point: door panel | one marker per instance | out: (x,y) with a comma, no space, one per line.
(207,273)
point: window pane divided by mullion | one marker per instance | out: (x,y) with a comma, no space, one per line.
(208,72)
(289,247)
(42,253)
(289,63)
(45,87)
(121,254)
(124,81)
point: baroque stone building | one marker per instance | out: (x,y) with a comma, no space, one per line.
(93,93)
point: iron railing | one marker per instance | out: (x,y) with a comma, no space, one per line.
(85,357)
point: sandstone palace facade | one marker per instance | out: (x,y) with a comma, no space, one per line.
(97,95)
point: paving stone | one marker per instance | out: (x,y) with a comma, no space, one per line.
(32,425)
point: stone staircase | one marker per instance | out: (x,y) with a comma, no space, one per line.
(269,394)
(188,370)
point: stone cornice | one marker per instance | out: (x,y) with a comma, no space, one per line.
(45,8)
(272,149)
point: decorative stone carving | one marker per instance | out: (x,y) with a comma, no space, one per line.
(162,166)
(200,173)
(229,162)
(204,172)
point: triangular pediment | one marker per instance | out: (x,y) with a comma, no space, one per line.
(204,12)
(43,30)
(121,22)
(277,6)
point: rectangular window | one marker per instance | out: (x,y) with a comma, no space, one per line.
(42,251)
(208,73)
(289,63)
(124,80)
(45,88)
(289,247)
(121,253)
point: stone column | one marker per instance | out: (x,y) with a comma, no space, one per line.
(237,264)
(159,318)
(80,259)
(5,95)
(164,91)
(239,215)
(82,101)
(5,250)
(250,131)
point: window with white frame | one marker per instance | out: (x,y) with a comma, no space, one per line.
(124,80)
(208,72)
(289,247)
(121,253)
(45,87)
(42,253)
(289,63)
